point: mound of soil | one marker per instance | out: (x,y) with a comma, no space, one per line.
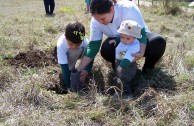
(33,58)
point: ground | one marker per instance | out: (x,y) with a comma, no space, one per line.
(29,72)
(33,58)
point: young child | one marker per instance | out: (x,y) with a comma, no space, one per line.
(126,68)
(70,47)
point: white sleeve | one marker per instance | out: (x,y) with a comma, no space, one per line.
(85,43)
(95,33)
(62,51)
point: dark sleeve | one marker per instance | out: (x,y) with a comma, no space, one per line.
(143,39)
(117,39)
(66,74)
(124,63)
(92,49)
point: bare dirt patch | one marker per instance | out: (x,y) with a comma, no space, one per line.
(33,58)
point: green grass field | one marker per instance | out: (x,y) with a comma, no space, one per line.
(28,69)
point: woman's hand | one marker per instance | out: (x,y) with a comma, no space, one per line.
(83,75)
(113,42)
(137,56)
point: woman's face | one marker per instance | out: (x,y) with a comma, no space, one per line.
(104,18)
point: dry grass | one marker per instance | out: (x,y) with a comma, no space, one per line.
(164,99)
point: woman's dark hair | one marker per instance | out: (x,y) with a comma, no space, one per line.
(75,32)
(100,6)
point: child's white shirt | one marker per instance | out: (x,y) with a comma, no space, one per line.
(62,49)
(124,51)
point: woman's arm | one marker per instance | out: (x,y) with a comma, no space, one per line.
(140,54)
(84,62)
(89,54)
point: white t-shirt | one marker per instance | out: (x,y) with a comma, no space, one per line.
(124,51)
(123,10)
(62,49)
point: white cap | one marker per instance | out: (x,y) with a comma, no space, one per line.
(131,28)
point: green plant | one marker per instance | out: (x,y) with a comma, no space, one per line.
(183,77)
(80,34)
(97,115)
(189,61)
(66,10)
(8,56)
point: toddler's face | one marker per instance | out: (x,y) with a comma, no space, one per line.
(126,39)
(73,45)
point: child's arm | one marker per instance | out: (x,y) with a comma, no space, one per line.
(124,63)
(66,74)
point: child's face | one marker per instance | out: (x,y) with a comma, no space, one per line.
(73,45)
(126,39)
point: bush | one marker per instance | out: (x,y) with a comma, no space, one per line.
(189,60)
(171,7)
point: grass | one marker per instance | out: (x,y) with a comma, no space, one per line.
(25,99)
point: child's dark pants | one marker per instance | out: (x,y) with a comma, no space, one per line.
(126,76)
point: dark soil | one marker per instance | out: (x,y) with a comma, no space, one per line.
(33,58)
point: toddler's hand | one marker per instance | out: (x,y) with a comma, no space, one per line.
(119,69)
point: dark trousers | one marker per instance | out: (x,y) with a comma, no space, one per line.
(126,76)
(49,6)
(155,48)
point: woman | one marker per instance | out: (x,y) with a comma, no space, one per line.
(107,18)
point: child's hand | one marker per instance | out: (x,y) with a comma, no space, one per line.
(113,42)
(119,69)
(83,75)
